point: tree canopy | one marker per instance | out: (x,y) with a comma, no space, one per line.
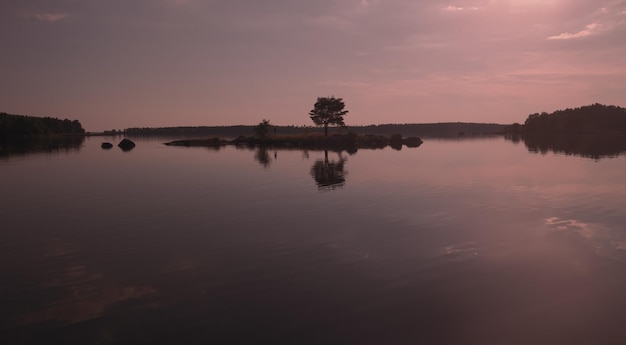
(328,111)
(262,129)
(595,118)
(19,125)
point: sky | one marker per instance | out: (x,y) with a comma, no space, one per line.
(115,64)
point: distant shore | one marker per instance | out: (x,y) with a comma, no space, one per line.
(432,130)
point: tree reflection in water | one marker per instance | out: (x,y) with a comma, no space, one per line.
(328,174)
(262,155)
(595,146)
(23,146)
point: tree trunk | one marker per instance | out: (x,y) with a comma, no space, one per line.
(326,129)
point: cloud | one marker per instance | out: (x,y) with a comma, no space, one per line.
(177,2)
(451,8)
(48,17)
(590,29)
(604,19)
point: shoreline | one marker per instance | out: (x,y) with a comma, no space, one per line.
(348,142)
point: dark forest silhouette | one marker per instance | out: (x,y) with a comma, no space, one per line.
(596,118)
(21,125)
(23,135)
(593,131)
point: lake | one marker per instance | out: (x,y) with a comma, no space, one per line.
(474,241)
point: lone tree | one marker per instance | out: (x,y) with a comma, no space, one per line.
(262,129)
(328,110)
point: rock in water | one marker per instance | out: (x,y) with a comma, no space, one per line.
(412,142)
(126,145)
(106,146)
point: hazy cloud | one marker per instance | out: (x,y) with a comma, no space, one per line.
(459,9)
(48,17)
(590,29)
(604,18)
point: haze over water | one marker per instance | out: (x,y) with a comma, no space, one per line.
(455,242)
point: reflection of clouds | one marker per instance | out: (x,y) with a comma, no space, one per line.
(461,251)
(584,230)
(83,294)
(58,248)
(353,251)
(604,240)
(88,294)
(181,265)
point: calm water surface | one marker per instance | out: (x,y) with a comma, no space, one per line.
(454,242)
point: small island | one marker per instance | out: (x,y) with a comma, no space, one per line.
(327,111)
(348,142)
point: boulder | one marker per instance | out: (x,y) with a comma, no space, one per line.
(126,145)
(106,146)
(412,142)
(396,142)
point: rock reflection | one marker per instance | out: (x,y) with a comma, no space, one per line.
(461,251)
(595,146)
(329,174)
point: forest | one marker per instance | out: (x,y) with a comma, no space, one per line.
(22,125)
(595,118)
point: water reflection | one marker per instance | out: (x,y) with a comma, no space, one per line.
(603,240)
(594,146)
(263,156)
(22,146)
(472,236)
(329,174)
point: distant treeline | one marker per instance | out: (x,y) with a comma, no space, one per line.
(21,125)
(199,131)
(445,129)
(596,118)
(420,130)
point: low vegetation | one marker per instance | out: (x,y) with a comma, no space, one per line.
(348,142)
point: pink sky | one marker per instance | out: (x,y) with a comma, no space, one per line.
(114,64)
